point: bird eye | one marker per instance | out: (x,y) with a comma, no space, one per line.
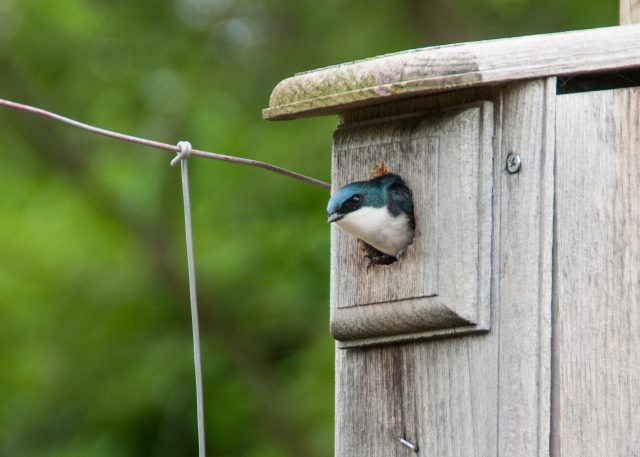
(356,199)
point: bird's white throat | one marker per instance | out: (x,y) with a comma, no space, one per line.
(379,228)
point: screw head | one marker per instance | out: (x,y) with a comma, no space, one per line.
(513,163)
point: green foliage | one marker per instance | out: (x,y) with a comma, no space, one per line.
(94,327)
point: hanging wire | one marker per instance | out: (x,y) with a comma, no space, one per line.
(165,146)
(184,152)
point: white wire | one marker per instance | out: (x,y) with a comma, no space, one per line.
(185,151)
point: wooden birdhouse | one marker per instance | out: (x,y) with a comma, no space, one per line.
(511,325)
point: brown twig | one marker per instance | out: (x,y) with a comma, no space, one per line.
(165,146)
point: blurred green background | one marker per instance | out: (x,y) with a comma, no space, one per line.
(95,336)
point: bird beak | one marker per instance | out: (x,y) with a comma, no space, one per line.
(333,217)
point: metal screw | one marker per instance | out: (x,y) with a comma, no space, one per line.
(513,163)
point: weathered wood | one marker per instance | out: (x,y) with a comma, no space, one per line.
(425,105)
(524,274)
(597,314)
(440,395)
(441,68)
(629,12)
(441,284)
(558,372)
(483,394)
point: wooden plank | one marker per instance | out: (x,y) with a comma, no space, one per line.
(484,394)
(629,12)
(446,159)
(525,262)
(442,68)
(597,316)
(440,395)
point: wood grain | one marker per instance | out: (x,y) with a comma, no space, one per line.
(629,12)
(442,68)
(441,285)
(480,394)
(597,292)
(439,395)
(524,273)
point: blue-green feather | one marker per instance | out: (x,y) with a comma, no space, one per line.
(387,190)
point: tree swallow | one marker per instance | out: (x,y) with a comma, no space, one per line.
(378,212)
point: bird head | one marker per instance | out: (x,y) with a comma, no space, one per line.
(378,211)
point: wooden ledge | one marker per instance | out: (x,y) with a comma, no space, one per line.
(441,68)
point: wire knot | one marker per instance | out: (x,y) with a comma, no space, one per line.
(185,151)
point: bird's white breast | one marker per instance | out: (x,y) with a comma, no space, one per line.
(379,228)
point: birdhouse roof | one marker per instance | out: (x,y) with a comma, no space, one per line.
(444,68)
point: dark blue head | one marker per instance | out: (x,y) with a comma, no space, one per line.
(387,190)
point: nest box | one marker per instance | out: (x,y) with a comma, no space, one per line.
(511,325)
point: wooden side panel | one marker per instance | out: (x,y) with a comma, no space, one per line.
(440,395)
(525,270)
(442,282)
(597,296)
(482,394)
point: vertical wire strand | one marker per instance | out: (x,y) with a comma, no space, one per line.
(193,297)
